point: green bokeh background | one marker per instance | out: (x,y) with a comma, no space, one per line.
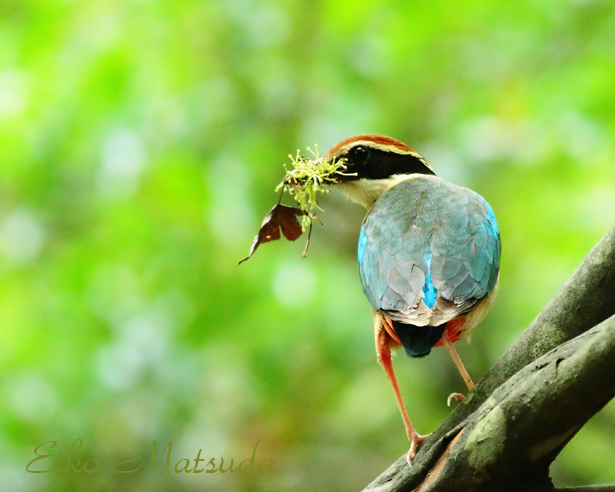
(140,144)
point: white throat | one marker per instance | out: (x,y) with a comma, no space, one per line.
(367,191)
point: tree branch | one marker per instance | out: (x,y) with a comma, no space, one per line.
(515,435)
(584,301)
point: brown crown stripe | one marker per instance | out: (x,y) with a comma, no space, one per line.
(378,140)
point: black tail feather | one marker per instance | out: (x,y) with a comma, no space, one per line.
(418,340)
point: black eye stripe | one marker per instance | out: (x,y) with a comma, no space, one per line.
(381,164)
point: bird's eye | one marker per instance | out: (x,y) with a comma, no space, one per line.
(359,154)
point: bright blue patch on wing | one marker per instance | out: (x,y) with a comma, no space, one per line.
(489,222)
(490,225)
(362,245)
(428,288)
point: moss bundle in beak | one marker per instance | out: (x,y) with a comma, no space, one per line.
(308,179)
(304,183)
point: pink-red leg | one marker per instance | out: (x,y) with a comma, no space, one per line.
(383,349)
(457,360)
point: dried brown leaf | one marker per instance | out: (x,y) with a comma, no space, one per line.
(280,217)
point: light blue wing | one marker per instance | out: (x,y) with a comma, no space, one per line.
(429,251)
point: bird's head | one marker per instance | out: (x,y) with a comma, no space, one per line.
(374,163)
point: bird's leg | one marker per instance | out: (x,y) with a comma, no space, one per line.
(383,349)
(457,360)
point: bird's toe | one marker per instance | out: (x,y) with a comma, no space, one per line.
(415,442)
(454,396)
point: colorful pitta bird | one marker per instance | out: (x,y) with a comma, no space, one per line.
(429,253)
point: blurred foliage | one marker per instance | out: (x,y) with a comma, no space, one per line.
(140,143)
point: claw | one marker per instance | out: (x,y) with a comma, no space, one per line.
(415,442)
(454,396)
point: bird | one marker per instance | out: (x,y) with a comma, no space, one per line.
(428,253)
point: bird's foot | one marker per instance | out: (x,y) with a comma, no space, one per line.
(454,396)
(415,442)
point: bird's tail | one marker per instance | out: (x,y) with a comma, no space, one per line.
(418,340)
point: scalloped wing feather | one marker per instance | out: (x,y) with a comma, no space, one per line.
(426,235)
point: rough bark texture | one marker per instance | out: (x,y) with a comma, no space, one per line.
(532,401)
